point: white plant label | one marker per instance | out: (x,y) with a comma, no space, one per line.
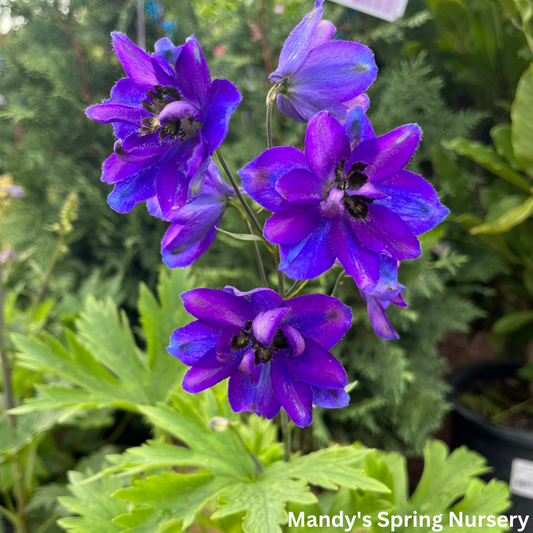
(384,9)
(521,482)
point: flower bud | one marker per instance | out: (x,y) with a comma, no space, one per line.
(219,423)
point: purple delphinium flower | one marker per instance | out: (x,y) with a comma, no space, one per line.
(169,118)
(316,73)
(275,352)
(348,197)
(193,227)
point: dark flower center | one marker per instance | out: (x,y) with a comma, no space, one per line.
(353,180)
(245,337)
(158,100)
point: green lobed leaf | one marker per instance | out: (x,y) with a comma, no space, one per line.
(103,363)
(522,120)
(446,477)
(328,468)
(512,322)
(489,159)
(93,504)
(172,499)
(263,503)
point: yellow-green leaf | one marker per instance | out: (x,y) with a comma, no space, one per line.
(522,117)
(507,221)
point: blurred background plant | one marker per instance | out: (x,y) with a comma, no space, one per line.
(460,68)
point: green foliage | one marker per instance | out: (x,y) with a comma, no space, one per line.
(448,484)
(522,117)
(104,362)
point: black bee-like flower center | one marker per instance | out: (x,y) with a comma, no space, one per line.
(158,100)
(354,179)
(245,337)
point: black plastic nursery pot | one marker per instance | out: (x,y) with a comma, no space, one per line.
(508,451)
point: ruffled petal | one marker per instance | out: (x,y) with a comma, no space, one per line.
(359,261)
(193,341)
(261,400)
(311,256)
(378,318)
(166,55)
(388,154)
(291,223)
(115,169)
(326,144)
(415,200)
(183,244)
(128,192)
(303,103)
(318,367)
(342,69)
(330,398)
(323,34)
(209,371)
(106,113)
(222,100)
(295,339)
(178,110)
(259,177)
(192,73)
(388,286)
(266,323)
(300,185)
(295,396)
(260,299)
(299,43)
(138,65)
(188,160)
(385,232)
(319,317)
(217,308)
(358,127)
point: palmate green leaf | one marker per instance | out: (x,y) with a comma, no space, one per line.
(173,500)
(103,360)
(93,504)
(328,468)
(522,120)
(263,503)
(489,159)
(446,477)
(482,499)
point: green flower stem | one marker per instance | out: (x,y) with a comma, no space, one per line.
(296,288)
(270,105)
(257,254)
(12,517)
(338,282)
(238,192)
(286,434)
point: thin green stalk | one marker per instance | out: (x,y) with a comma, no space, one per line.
(238,192)
(281,279)
(286,434)
(296,288)
(257,254)
(48,524)
(40,293)
(12,517)
(270,105)
(6,364)
(124,421)
(338,282)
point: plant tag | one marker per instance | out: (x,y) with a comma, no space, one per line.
(521,482)
(384,9)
